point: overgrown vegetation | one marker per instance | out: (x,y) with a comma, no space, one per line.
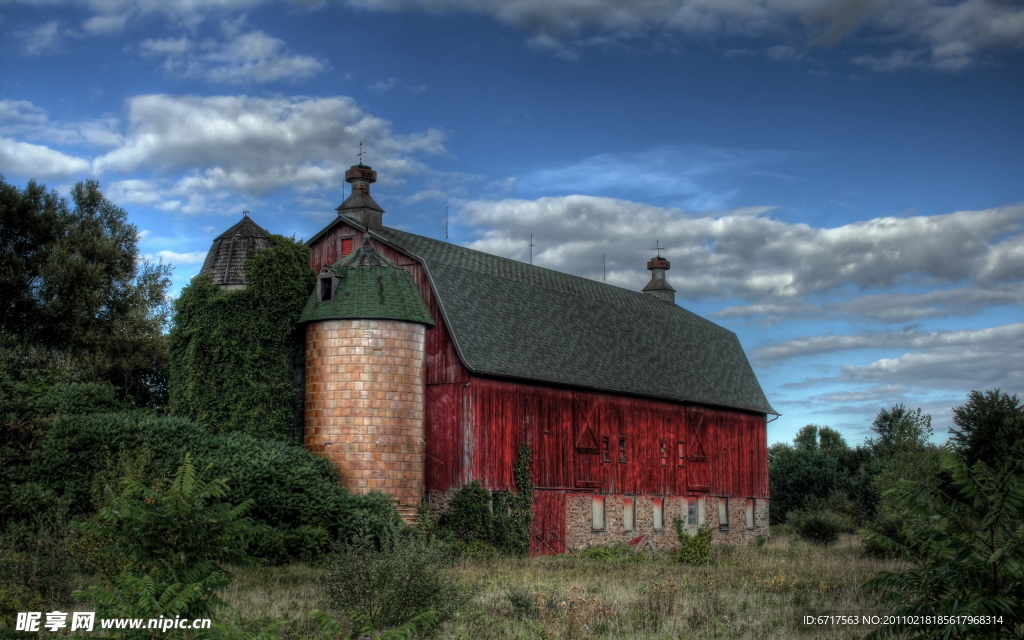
(967,551)
(234,355)
(394,580)
(693,549)
(481,520)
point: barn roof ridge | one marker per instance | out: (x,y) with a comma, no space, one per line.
(508,318)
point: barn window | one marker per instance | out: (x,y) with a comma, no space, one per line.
(606,455)
(628,513)
(346,246)
(692,512)
(663,446)
(723,514)
(750,513)
(597,512)
(681,453)
(326,287)
(658,512)
(622,448)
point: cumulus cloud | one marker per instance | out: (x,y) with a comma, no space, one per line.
(256,144)
(748,254)
(22,119)
(37,161)
(245,58)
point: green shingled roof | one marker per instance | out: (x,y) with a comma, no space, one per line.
(366,285)
(512,319)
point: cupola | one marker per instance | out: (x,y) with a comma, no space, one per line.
(659,287)
(359,206)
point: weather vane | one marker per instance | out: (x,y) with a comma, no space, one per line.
(360,154)
(657,248)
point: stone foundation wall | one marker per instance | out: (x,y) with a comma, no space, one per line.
(364,404)
(580,533)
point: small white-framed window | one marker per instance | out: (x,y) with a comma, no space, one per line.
(750,513)
(723,513)
(628,513)
(658,512)
(597,512)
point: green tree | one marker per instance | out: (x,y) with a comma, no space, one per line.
(234,355)
(967,551)
(74,284)
(801,474)
(987,424)
(900,429)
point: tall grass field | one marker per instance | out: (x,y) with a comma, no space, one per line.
(751,591)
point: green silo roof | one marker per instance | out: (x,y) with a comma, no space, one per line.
(368,286)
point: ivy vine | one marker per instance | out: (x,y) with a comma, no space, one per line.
(237,356)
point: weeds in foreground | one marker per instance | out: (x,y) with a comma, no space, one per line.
(754,592)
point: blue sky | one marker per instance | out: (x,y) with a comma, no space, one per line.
(840,183)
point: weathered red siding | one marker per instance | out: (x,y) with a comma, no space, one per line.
(725,452)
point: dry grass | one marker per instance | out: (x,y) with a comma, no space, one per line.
(752,592)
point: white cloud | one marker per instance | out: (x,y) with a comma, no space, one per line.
(907,339)
(44,39)
(37,161)
(887,307)
(172,257)
(238,145)
(23,119)
(978,359)
(745,253)
(246,58)
(384,85)
(944,35)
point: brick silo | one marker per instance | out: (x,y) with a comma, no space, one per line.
(365,334)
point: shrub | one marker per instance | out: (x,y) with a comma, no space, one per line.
(695,549)
(294,492)
(390,582)
(817,527)
(83,445)
(616,552)
(80,397)
(170,542)
(500,520)
(469,516)
(966,550)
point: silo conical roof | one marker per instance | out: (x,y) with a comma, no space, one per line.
(365,285)
(225,263)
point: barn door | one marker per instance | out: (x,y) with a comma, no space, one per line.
(698,477)
(586,439)
(547,533)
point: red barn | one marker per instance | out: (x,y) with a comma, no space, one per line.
(637,411)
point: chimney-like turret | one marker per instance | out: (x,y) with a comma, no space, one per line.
(359,206)
(659,286)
